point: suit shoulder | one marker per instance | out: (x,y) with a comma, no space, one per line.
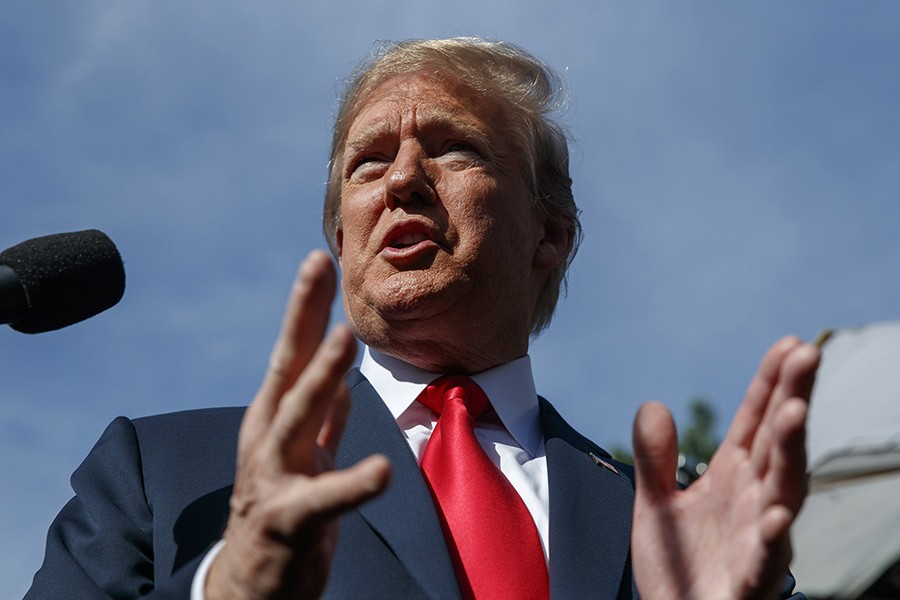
(189,447)
(199,420)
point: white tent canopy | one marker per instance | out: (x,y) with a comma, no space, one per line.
(848,532)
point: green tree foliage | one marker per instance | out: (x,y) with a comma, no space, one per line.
(698,441)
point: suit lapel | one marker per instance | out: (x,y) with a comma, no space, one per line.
(590,505)
(590,515)
(403,516)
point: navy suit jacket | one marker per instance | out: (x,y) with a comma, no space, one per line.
(152,496)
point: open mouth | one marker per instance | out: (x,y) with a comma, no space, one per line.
(408,239)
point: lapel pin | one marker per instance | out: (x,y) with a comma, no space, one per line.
(603,463)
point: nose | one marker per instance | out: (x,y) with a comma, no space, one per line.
(407,180)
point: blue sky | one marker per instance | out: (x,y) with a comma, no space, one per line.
(737,168)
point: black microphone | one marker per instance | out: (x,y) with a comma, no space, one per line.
(54,281)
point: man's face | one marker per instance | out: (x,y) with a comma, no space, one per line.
(439,238)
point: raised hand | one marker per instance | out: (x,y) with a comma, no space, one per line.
(726,536)
(282,527)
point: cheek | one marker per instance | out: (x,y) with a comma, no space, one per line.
(471,206)
(500,218)
(360,211)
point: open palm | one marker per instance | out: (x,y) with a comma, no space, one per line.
(727,535)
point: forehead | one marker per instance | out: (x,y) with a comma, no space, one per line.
(428,100)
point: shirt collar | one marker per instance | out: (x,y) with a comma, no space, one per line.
(510,388)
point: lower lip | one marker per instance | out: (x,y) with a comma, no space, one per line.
(409,254)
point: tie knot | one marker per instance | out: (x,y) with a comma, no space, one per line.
(449,387)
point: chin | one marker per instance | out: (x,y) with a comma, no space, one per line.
(414,295)
(407,318)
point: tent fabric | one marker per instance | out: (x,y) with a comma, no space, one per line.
(848,532)
(856,400)
(847,535)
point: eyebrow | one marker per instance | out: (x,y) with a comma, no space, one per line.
(452,121)
(437,119)
(368,136)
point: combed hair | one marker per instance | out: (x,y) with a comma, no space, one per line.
(494,70)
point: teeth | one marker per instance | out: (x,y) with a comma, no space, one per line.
(409,239)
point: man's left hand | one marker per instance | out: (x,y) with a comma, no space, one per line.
(726,536)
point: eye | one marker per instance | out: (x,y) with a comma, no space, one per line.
(456,146)
(364,160)
(458,155)
(365,167)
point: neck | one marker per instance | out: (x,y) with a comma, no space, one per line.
(463,354)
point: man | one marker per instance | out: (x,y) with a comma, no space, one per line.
(450,212)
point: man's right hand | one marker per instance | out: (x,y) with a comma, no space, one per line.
(282,528)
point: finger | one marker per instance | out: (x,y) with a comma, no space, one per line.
(756,401)
(786,477)
(775,524)
(304,323)
(799,372)
(302,414)
(655,453)
(795,381)
(302,328)
(328,495)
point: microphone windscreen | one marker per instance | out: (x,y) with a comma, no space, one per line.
(67,278)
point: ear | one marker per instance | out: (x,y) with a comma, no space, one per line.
(553,249)
(339,242)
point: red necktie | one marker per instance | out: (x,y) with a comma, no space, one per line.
(492,538)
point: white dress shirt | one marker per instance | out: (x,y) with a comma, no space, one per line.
(510,434)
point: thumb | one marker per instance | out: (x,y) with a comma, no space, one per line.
(655,452)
